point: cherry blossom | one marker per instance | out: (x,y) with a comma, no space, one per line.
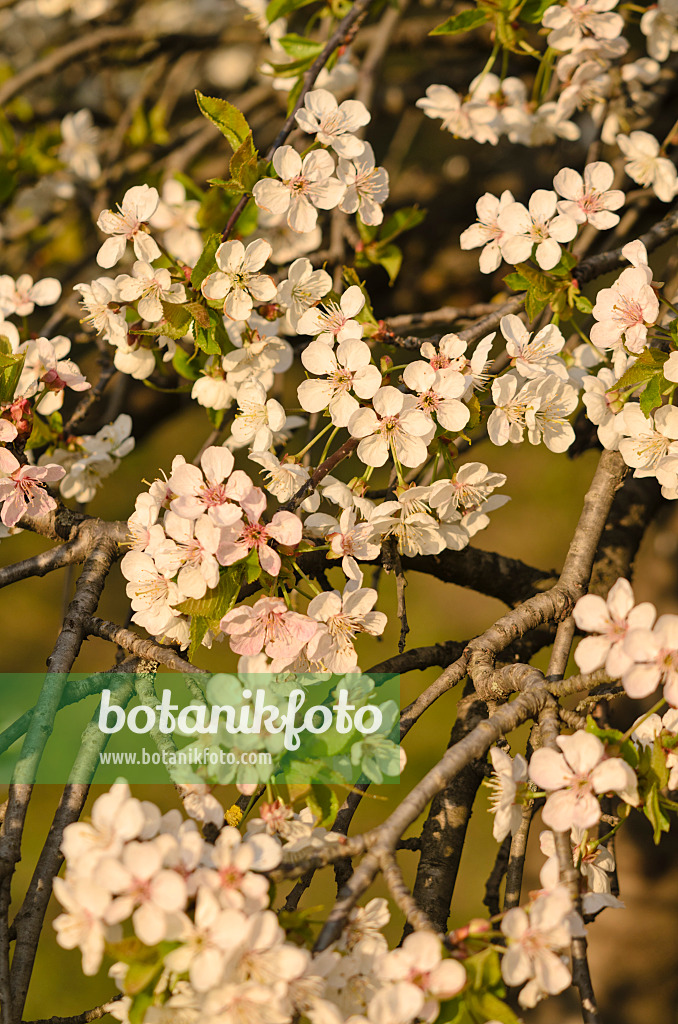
(418,964)
(348,538)
(575,19)
(237,281)
(594,862)
(465,120)
(237,541)
(438,393)
(303,288)
(83,924)
(532,356)
(555,400)
(80,143)
(514,410)
(575,778)
(590,198)
(539,224)
(610,621)
(509,775)
(647,441)
(20,297)
(196,490)
(128,225)
(177,217)
(536,941)
(660,24)
(350,369)
(333,123)
(367,186)
(626,308)
(335,322)
(340,618)
(646,166)
(486,231)
(394,425)
(21,488)
(258,418)
(305,186)
(269,626)
(152,593)
(143,889)
(149,287)
(604,408)
(409,520)
(655,656)
(98,298)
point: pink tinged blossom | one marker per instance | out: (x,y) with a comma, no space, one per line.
(537,225)
(537,941)
(486,232)
(610,621)
(576,777)
(195,544)
(590,198)
(258,418)
(22,490)
(237,282)
(419,964)
(335,322)
(7,431)
(439,394)
(151,895)
(117,817)
(238,541)
(342,617)
(625,309)
(305,186)
(396,426)
(350,370)
(555,400)
(206,488)
(333,123)
(269,626)
(655,656)
(128,225)
(367,186)
(20,297)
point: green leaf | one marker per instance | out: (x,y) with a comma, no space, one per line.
(290,68)
(177,315)
(654,813)
(463,22)
(646,365)
(534,303)
(402,220)
(279,8)
(206,261)
(198,628)
(652,395)
(228,119)
(390,258)
(533,11)
(41,434)
(517,282)
(252,566)
(244,164)
(216,602)
(614,741)
(300,46)
(198,312)
(583,304)
(11,365)
(213,340)
(185,364)
(324,803)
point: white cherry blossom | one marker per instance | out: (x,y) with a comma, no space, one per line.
(576,777)
(303,288)
(333,124)
(20,297)
(335,322)
(349,370)
(509,774)
(394,425)
(438,394)
(149,287)
(486,231)
(367,186)
(646,166)
(258,418)
(537,224)
(646,440)
(575,19)
(128,225)
(610,621)
(515,409)
(532,356)
(305,186)
(237,282)
(537,942)
(655,656)
(590,198)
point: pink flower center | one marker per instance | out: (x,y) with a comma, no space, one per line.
(213,494)
(255,535)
